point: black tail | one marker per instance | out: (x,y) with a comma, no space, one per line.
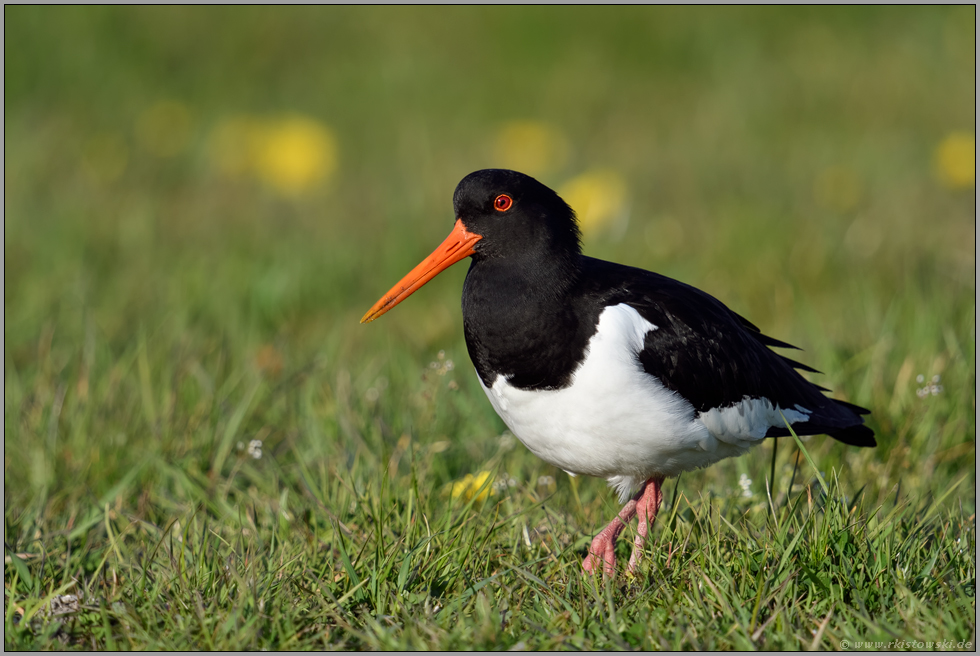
(859,435)
(842,421)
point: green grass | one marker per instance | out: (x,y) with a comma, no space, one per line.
(159,316)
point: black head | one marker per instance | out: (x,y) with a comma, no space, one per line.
(516,216)
(507,218)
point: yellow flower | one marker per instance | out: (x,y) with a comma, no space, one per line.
(955,160)
(296,153)
(291,154)
(469,486)
(530,147)
(598,198)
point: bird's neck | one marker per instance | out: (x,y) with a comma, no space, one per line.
(519,320)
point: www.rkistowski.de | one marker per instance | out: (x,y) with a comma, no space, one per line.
(906,644)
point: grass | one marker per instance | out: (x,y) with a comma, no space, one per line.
(167,320)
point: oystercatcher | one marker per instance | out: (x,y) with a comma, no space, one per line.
(608,370)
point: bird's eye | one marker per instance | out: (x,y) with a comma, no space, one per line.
(502,203)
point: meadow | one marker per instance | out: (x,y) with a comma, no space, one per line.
(204,449)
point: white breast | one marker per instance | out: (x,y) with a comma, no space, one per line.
(617,422)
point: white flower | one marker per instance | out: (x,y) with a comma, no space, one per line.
(933,387)
(745,483)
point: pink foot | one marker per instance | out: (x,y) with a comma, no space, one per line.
(603,547)
(647,506)
(602,551)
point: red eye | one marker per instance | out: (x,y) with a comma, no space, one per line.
(502,203)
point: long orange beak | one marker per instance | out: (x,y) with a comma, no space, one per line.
(458,244)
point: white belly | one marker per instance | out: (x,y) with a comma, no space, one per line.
(617,422)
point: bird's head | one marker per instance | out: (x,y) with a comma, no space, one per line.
(500,214)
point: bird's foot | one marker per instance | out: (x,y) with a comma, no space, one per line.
(647,505)
(602,551)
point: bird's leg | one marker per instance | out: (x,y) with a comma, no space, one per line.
(603,547)
(647,504)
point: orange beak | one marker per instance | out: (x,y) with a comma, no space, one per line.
(458,244)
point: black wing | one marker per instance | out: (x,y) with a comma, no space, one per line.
(715,358)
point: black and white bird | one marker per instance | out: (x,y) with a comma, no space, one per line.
(608,370)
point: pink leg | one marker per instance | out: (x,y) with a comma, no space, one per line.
(603,548)
(647,506)
(646,503)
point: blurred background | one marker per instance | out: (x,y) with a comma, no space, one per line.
(197,198)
